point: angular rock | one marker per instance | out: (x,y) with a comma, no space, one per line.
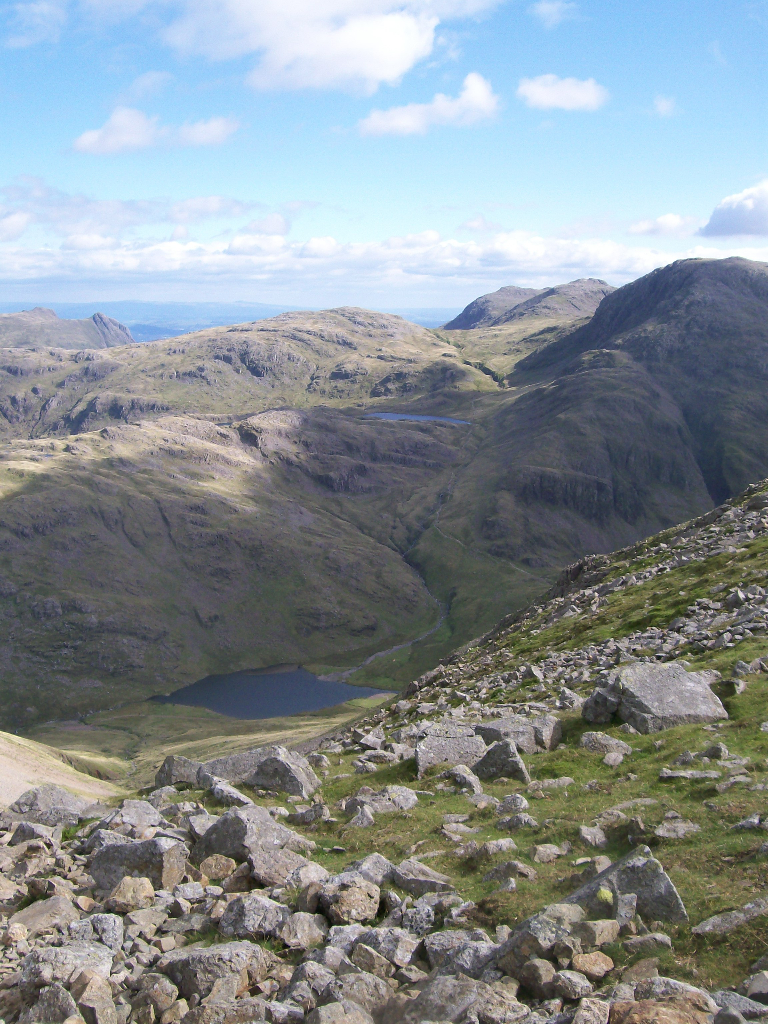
(465,779)
(254,916)
(502,759)
(395,944)
(592,1011)
(417,878)
(94,998)
(196,971)
(346,901)
(285,771)
(462,748)
(243,830)
(602,743)
(61,964)
(656,696)
(238,768)
(49,805)
(528,734)
(132,814)
(53,1006)
(160,860)
(131,894)
(176,768)
(386,801)
(537,975)
(364,990)
(593,966)
(45,916)
(650,1011)
(597,933)
(676,828)
(723,924)
(217,867)
(570,985)
(670,988)
(593,836)
(271,866)
(303,931)
(640,873)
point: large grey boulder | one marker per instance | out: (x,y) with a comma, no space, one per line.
(176,768)
(452,998)
(285,771)
(196,971)
(238,768)
(530,735)
(244,830)
(252,916)
(271,866)
(451,745)
(652,697)
(138,814)
(49,805)
(61,964)
(639,873)
(385,801)
(162,860)
(417,879)
(502,759)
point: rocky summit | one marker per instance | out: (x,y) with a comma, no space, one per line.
(561,823)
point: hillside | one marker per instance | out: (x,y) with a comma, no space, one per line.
(42,328)
(562,821)
(229,501)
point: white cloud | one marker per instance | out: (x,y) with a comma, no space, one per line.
(664,106)
(667,224)
(745,213)
(37,21)
(552,12)
(479,225)
(548,92)
(272,224)
(13,225)
(128,129)
(205,133)
(476,102)
(30,201)
(148,84)
(297,43)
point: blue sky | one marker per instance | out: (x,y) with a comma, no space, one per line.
(374,152)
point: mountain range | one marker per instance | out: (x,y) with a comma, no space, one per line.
(229,500)
(40,326)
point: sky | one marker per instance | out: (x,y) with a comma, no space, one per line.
(378,153)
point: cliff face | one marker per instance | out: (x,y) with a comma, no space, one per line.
(42,328)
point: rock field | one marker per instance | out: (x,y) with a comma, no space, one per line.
(258,886)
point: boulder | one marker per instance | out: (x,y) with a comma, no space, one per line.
(348,900)
(363,989)
(386,801)
(177,769)
(238,768)
(656,696)
(138,814)
(651,1011)
(52,964)
(53,1006)
(397,945)
(417,879)
(161,860)
(271,866)
(465,779)
(502,759)
(530,735)
(374,868)
(448,998)
(93,996)
(602,743)
(49,805)
(131,894)
(46,916)
(252,916)
(455,746)
(640,873)
(303,931)
(339,1013)
(217,867)
(196,971)
(243,830)
(284,771)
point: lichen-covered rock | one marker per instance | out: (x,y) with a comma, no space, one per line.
(61,964)
(243,830)
(195,971)
(45,916)
(254,916)
(285,771)
(418,879)
(502,759)
(349,900)
(176,768)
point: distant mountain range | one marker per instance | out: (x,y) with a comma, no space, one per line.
(575,299)
(39,326)
(225,500)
